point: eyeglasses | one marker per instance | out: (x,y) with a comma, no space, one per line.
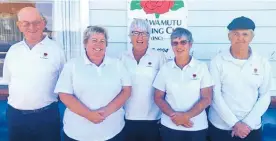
(27,24)
(182,42)
(137,33)
(95,41)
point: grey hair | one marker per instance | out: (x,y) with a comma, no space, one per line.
(91,30)
(182,32)
(139,24)
(251,30)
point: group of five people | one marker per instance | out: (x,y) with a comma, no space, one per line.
(140,96)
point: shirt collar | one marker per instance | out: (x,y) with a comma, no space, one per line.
(88,62)
(228,56)
(42,42)
(191,64)
(130,52)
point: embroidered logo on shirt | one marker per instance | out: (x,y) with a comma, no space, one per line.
(45,56)
(255,71)
(149,64)
(194,77)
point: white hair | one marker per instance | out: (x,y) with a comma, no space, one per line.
(251,30)
(139,24)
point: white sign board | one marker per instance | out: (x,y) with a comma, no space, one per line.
(163,16)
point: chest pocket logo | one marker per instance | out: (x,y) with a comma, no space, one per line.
(194,77)
(44,56)
(256,77)
(255,72)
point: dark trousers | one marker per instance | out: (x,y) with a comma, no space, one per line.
(118,137)
(225,135)
(34,125)
(168,134)
(142,130)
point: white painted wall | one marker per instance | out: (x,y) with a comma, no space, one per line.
(207,20)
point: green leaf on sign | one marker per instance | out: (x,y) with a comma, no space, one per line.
(177,5)
(135,4)
(157,15)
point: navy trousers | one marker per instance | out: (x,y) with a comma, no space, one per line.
(168,134)
(225,135)
(118,137)
(34,125)
(142,130)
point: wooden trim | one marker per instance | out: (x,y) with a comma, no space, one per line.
(13,8)
(273,102)
(4,93)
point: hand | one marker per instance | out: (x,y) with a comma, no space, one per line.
(180,118)
(104,111)
(95,117)
(241,130)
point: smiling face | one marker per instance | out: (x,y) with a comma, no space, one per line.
(181,47)
(241,38)
(139,40)
(96,46)
(31,24)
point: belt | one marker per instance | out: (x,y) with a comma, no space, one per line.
(25,112)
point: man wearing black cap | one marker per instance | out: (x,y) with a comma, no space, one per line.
(242,83)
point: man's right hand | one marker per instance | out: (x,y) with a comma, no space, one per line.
(241,130)
(95,117)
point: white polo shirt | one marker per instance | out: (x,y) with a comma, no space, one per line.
(32,74)
(182,89)
(141,105)
(95,87)
(241,91)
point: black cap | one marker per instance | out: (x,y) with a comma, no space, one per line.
(241,23)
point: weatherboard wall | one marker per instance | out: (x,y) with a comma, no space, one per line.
(207,20)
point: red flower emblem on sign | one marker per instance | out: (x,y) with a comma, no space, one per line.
(155,6)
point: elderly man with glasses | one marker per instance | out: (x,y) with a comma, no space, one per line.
(31,69)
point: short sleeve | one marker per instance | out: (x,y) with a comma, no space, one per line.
(159,82)
(273,87)
(6,70)
(125,75)
(62,60)
(206,80)
(162,60)
(65,82)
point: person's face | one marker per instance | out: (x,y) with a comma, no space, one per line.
(32,26)
(96,46)
(240,38)
(139,40)
(181,46)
